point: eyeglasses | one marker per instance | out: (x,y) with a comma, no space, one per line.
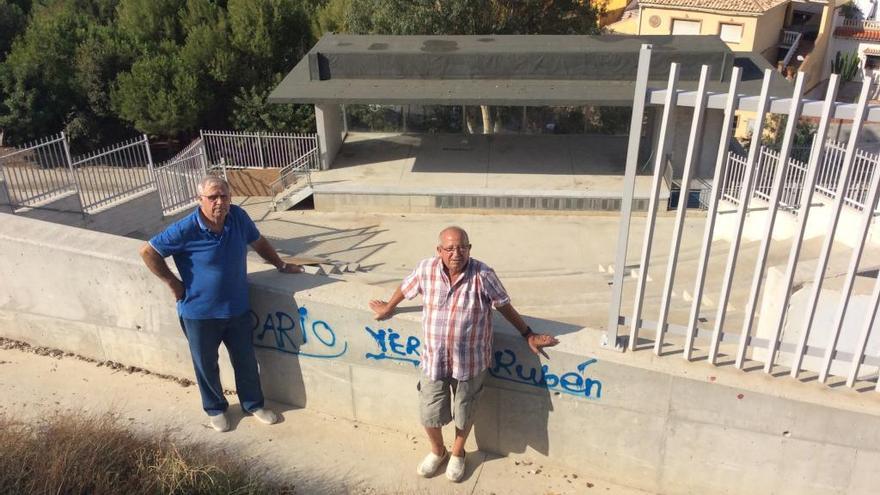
(215,197)
(451,249)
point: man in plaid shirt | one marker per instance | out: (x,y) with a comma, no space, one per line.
(459,293)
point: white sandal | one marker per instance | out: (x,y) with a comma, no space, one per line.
(429,465)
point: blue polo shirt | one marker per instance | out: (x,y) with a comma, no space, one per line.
(212,266)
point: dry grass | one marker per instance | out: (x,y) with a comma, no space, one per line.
(70,454)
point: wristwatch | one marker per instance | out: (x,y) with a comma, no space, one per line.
(282,267)
(528,332)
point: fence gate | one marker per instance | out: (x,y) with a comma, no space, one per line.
(718,317)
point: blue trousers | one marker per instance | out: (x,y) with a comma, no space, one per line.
(204,337)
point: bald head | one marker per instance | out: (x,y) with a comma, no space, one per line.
(454,249)
(453,230)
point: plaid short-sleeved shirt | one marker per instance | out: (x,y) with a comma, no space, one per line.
(456,317)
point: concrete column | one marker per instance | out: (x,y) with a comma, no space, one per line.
(331,132)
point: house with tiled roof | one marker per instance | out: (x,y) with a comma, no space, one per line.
(858,33)
(787,33)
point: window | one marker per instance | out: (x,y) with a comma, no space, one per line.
(681,26)
(731,33)
(872,62)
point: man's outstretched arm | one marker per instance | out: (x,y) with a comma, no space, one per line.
(537,341)
(156,264)
(385,309)
(268,253)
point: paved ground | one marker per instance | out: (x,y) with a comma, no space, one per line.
(498,164)
(322,454)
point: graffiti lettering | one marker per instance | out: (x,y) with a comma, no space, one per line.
(573,382)
(282,327)
(390,346)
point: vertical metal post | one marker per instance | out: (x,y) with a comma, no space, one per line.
(72,171)
(150,166)
(794,113)
(709,230)
(816,158)
(259,150)
(667,122)
(632,158)
(687,174)
(825,254)
(745,194)
(862,343)
(846,291)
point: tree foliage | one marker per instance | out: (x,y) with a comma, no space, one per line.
(471,17)
(105,69)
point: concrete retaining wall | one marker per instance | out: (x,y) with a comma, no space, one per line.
(661,425)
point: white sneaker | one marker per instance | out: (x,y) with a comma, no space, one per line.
(220,422)
(455,468)
(265,416)
(429,465)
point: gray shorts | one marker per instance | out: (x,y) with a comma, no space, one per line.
(436,396)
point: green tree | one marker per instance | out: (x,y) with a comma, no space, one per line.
(160,95)
(471,17)
(13,20)
(251,112)
(270,35)
(150,22)
(39,94)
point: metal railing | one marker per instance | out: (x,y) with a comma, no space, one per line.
(295,171)
(178,178)
(38,172)
(827,177)
(257,149)
(786,333)
(45,170)
(791,49)
(792,183)
(790,37)
(860,24)
(114,172)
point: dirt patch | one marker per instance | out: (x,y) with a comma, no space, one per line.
(9,344)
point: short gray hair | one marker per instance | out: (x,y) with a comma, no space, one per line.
(211,179)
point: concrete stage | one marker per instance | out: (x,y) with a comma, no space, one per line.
(423,173)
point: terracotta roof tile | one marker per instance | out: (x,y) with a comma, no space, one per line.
(739,6)
(857,34)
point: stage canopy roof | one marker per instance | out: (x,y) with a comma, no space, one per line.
(510,70)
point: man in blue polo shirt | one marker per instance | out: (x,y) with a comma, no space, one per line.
(209,248)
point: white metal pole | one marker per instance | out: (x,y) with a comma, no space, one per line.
(709,229)
(693,150)
(817,156)
(742,208)
(828,243)
(775,190)
(629,181)
(667,123)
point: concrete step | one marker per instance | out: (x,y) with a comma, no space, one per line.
(291,196)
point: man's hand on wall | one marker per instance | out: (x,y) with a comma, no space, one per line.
(382,309)
(291,268)
(538,341)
